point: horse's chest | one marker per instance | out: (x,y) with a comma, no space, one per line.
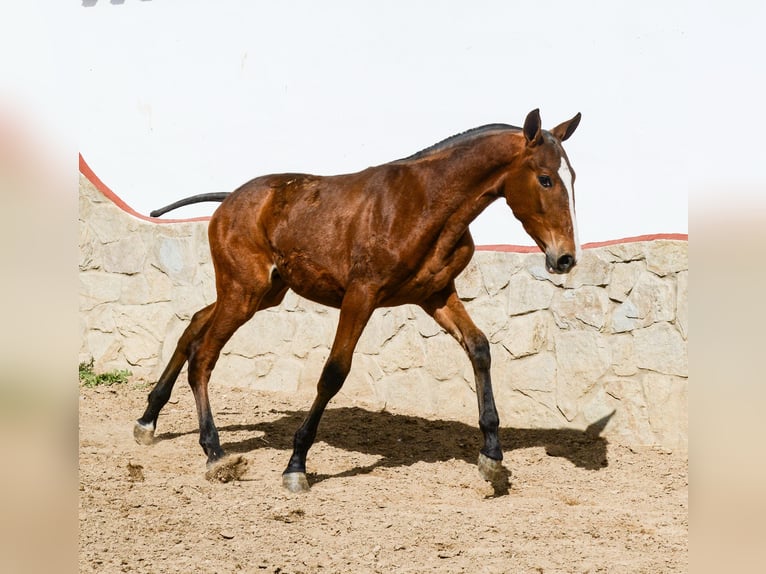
(435,274)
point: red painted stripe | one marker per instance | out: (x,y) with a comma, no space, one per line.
(534,249)
(86,171)
(651,237)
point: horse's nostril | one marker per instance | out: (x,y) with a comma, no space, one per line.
(564,263)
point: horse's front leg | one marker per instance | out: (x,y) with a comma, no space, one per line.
(447,309)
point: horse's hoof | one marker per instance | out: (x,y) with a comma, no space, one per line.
(494,472)
(295,482)
(226,469)
(144,434)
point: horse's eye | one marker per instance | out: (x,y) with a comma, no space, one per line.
(545,181)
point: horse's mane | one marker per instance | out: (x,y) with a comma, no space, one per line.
(459,139)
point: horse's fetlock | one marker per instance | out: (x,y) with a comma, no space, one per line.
(489,422)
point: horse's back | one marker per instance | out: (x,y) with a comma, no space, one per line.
(322,233)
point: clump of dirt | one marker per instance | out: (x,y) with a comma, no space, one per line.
(390,492)
(227,469)
(135,472)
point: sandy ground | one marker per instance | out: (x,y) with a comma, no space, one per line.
(390,493)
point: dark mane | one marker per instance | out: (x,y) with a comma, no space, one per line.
(460,138)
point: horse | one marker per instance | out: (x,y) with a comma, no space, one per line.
(388,235)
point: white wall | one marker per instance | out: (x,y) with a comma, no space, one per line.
(183,98)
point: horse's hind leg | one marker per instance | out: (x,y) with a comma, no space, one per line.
(354,313)
(143,430)
(232,310)
(447,309)
(236,304)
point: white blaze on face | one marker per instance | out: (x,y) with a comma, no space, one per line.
(566,176)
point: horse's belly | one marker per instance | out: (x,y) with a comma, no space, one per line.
(311,281)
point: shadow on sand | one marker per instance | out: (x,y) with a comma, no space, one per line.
(402,440)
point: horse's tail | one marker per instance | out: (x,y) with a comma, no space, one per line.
(188,201)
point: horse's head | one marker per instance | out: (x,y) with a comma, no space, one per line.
(541,192)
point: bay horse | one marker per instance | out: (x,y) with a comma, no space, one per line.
(389,235)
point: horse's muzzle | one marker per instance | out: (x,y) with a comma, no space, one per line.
(556,263)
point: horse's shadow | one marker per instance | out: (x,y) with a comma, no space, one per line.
(402,440)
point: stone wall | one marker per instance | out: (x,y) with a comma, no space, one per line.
(568,351)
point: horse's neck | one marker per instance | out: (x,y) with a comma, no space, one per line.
(466,173)
(468,181)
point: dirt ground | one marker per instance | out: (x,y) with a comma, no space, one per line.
(390,493)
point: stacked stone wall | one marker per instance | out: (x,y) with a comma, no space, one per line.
(606,344)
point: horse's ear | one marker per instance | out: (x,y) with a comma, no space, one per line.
(532,128)
(563,131)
